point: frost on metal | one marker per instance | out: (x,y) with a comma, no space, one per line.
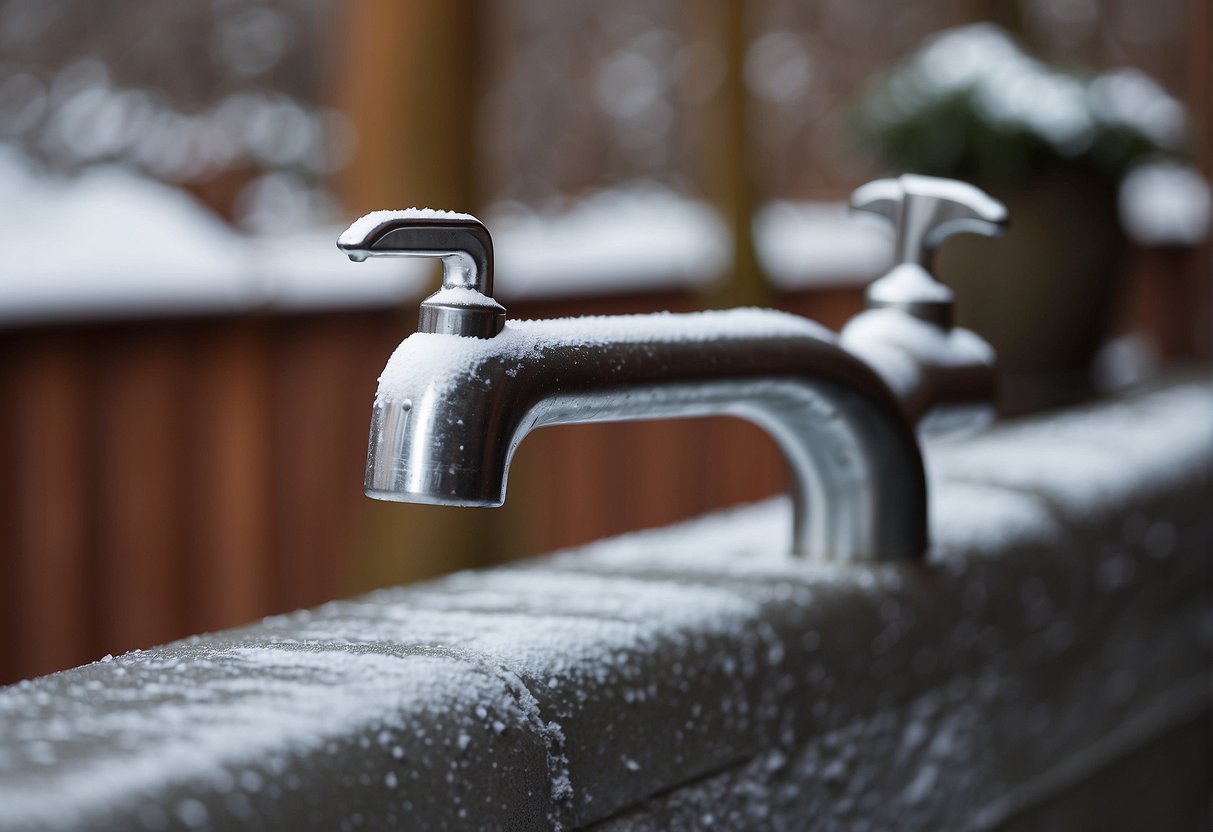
(688,677)
(442,359)
(460,296)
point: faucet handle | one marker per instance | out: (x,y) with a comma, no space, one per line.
(464,305)
(924,211)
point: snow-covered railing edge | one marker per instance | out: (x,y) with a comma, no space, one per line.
(1064,597)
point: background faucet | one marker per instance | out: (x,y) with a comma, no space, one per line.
(943,375)
(457,397)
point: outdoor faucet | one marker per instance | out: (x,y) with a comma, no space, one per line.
(943,375)
(457,397)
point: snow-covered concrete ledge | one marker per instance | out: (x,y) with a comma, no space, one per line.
(688,677)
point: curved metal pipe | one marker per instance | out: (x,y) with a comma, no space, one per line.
(464,305)
(451,411)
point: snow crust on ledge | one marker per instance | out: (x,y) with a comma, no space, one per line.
(1088,460)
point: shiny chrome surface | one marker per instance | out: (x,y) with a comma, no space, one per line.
(945,379)
(924,211)
(945,376)
(858,483)
(451,410)
(466,249)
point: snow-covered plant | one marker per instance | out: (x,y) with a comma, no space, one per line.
(972,104)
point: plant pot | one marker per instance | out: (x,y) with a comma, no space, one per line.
(1044,293)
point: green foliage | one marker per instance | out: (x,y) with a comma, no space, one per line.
(970,104)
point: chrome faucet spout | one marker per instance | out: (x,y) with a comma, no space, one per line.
(451,411)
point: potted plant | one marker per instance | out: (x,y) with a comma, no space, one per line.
(1054,146)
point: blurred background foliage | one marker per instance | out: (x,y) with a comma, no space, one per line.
(971,104)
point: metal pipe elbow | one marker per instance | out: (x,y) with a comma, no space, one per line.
(451,411)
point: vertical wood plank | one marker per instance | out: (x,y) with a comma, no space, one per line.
(749,465)
(51,411)
(569,508)
(141,485)
(416,136)
(723,163)
(319,434)
(10,621)
(230,518)
(665,466)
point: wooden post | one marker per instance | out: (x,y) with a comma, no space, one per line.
(406,82)
(723,163)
